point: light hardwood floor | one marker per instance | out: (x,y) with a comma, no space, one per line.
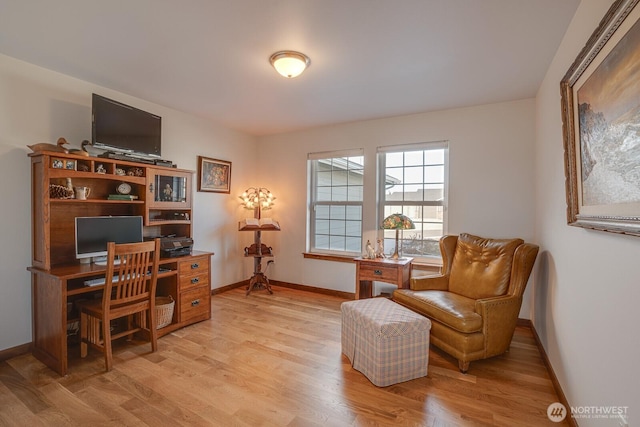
(271,360)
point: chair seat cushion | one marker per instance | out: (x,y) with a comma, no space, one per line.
(453,310)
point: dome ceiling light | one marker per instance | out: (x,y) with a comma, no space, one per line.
(289,63)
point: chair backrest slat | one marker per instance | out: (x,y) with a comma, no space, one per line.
(136,272)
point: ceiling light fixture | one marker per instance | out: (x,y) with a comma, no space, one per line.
(288,63)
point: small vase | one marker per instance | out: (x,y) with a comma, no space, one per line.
(70,188)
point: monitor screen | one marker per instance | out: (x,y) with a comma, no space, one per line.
(122,128)
(93,233)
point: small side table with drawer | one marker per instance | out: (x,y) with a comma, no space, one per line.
(397,272)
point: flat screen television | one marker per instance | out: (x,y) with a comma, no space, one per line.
(124,129)
(93,233)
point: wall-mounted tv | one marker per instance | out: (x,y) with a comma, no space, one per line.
(124,129)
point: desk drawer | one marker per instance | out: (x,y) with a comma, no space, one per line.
(192,281)
(379,272)
(195,303)
(195,265)
(194,272)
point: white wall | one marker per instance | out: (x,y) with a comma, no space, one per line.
(491,179)
(38,105)
(586,289)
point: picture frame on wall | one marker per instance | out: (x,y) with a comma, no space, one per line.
(600,95)
(214,175)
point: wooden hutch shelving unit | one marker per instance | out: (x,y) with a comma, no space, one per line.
(58,278)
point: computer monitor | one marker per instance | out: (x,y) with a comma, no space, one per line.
(93,232)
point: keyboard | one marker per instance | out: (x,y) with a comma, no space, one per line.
(98,281)
(101,280)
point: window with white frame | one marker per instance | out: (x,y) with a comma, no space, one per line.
(335,202)
(413,182)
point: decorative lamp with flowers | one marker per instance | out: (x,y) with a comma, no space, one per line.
(397,221)
(257,198)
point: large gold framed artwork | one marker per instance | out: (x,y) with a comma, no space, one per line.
(601,125)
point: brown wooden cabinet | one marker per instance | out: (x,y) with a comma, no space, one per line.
(397,272)
(161,195)
(168,200)
(195,289)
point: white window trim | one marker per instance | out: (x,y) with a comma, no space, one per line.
(381,168)
(311,203)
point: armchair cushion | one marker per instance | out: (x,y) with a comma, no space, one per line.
(456,311)
(481,268)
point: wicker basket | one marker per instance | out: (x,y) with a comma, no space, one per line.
(164,311)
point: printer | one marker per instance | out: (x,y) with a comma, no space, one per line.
(172,246)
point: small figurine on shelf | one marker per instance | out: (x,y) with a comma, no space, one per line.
(371,254)
(168,193)
(135,172)
(380,249)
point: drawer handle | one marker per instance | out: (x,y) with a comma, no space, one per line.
(195,265)
(194,280)
(377,272)
(195,303)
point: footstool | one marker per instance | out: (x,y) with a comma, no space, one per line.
(385,341)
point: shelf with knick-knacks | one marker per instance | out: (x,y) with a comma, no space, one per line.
(93,180)
(81,189)
(66,186)
(65,163)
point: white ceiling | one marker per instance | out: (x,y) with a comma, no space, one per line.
(369,58)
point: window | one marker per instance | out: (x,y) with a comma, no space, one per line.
(335,209)
(413,181)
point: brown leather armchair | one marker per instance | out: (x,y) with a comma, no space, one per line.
(474,303)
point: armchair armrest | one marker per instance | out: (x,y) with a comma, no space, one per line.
(499,318)
(523,260)
(501,303)
(430,283)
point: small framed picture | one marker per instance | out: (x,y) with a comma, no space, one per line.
(57,163)
(214,175)
(70,164)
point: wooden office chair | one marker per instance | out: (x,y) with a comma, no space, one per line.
(130,294)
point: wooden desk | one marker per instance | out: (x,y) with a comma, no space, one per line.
(187,279)
(397,272)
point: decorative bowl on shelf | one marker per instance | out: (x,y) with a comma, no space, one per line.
(60,192)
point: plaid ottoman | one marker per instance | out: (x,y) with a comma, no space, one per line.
(385,341)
